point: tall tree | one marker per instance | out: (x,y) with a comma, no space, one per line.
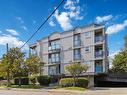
(75,69)
(34,66)
(11,63)
(125,44)
(120,62)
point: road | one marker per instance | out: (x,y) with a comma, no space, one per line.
(95,91)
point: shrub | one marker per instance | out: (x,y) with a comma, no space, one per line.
(24,81)
(44,80)
(68,82)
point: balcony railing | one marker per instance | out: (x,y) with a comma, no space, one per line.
(54,48)
(98,69)
(77,57)
(77,43)
(98,54)
(53,61)
(99,39)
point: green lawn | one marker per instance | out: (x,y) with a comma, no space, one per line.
(27,86)
(24,86)
(75,88)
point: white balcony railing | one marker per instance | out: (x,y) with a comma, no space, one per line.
(99,39)
(99,54)
(54,47)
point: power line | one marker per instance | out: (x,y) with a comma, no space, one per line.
(42,24)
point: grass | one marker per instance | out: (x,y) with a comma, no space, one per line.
(27,86)
(75,88)
(24,86)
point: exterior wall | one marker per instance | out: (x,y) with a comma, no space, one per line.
(66,53)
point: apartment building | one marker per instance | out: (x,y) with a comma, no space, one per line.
(87,45)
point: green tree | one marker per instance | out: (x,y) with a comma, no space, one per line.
(11,63)
(125,44)
(34,66)
(75,69)
(120,62)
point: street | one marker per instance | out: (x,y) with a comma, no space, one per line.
(95,91)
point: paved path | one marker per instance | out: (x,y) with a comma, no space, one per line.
(95,91)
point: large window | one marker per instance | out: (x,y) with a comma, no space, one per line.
(55,57)
(77,54)
(54,44)
(77,40)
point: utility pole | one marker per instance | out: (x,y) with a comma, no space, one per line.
(8,73)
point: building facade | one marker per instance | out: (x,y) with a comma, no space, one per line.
(87,45)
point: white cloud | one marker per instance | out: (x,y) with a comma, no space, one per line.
(12,31)
(24,27)
(20,19)
(112,54)
(51,23)
(100,19)
(116,27)
(72,12)
(63,20)
(12,41)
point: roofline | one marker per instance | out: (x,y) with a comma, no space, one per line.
(92,24)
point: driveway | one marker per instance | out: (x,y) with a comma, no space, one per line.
(94,91)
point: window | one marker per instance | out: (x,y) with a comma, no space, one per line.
(87,34)
(77,40)
(54,57)
(54,45)
(77,54)
(87,49)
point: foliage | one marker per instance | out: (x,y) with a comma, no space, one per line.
(44,80)
(33,79)
(33,64)
(75,88)
(120,62)
(68,82)
(75,69)
(24,81)
(11,63)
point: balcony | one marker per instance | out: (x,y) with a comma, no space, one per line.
(98,54)
(98,69)
(99,39)
(77,43)
(98,66)
(54,48)
(77,57)
(54,61)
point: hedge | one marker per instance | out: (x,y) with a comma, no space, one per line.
(24,81)
(68,82)
(44,80)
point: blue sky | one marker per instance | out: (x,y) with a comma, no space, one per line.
(20,18)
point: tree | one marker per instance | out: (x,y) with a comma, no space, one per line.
(11,63)
(125,44)
(120,62)
(34,66)
(75,69)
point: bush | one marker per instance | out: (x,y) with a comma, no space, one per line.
(44,80)
(24,81)
(68,82)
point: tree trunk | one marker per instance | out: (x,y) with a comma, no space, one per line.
(8,79)
(74,81)
(19,80)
